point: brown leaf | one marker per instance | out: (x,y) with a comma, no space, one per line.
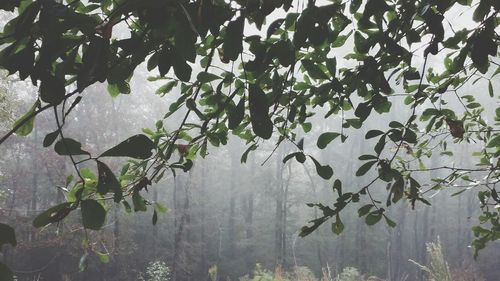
(456,128)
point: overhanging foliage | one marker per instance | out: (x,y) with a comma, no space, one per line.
(266,87)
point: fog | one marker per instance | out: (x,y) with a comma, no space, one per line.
(224,219)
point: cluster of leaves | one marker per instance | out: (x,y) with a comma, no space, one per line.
(7,236)
(281,77)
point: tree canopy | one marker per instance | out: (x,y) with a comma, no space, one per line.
(263,70)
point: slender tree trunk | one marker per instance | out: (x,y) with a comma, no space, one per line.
(34,187)
(285,213)
(361,246)
(154,241)
(203,238)
(278,238)
(398,247)
(175,258)
(249,221)
(232,206)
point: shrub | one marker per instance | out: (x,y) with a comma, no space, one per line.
(155,271)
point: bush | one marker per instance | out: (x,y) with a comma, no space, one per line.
(155,271)
(349,274)
(437,268)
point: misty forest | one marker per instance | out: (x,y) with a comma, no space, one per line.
(249,140)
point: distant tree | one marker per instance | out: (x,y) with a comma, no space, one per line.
(268,85)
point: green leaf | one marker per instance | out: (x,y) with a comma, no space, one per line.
(139,202)
(138,146)
(290,156)
(7,235)
(354,6)
(481,11)
(236,115)
(367,157)
(373,217)
(340,41)
(52,215)
(160,208)
(50,138)
(107,181)
(285,52)
(182,69)
(69,146)
(331,65)
(313,70)
(52,90)
(337,186)
(5,273)
(245,154)
(306,127)
(206,77)
(9,5)
(300,157)
(494,142)
(259,112)
(361,43)
(326,172)
(165,61)
(104,258)
(121,71)
(389,222)
(154,220)
(26,129)
(325,138)
(380,145)
(397,190)
(363,110)
(373,133)
(166,88)
(365,168)
(93,214)
(337,226)
(83,264)
(233,40)
(300,144)
(365,210)
(122,87)
(490,89)
(94,63)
